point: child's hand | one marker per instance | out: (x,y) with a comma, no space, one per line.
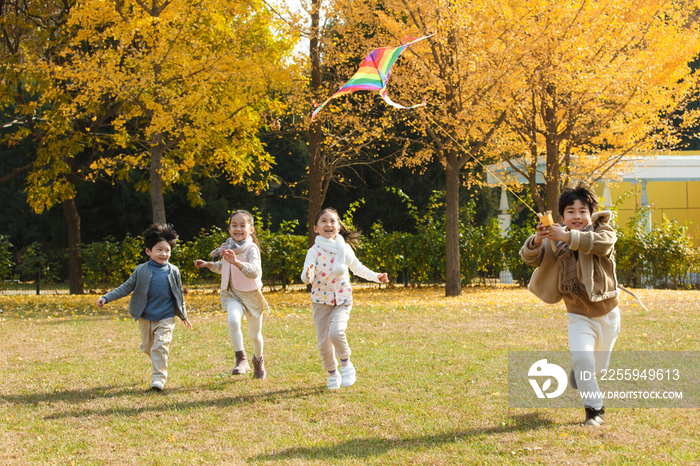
(230,257)
(199,263)
(542,232)
(101,302)
(383,278)
(310,272)
(187,323)
(557,232)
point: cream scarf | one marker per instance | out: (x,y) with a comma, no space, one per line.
(337,247)
(237,247)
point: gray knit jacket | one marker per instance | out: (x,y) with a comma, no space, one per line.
(139,283)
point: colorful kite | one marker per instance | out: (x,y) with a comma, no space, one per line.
(374,73)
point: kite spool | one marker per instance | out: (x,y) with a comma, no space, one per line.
(547,221)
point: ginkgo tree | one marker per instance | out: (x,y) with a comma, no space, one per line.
(192,81)
(51,146)
(339,141)
(578,82)
(176,89)
(604,79)
(462,71)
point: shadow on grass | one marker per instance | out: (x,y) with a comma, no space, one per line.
(373,447)
(139,396)
(42,320)
(69,396)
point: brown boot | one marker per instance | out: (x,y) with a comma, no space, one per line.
(241,363)
(259,368)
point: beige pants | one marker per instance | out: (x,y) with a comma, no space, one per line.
(331,322)
(155,341)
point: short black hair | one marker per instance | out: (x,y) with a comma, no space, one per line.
(159,232)
(580,192)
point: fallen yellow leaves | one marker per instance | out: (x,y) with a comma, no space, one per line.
(485,300)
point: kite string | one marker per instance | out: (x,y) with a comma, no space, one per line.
(500,182)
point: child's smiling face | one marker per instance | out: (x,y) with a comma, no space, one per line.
(576,215)
(328,225)
(160,252)
(239,228)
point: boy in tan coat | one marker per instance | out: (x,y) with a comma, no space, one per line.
(582,273)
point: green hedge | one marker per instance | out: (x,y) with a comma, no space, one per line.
(283,253)
(109,263)
(661,258)
(186,252)
(6,262)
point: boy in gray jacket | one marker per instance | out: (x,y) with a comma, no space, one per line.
(157,298)
(582,273)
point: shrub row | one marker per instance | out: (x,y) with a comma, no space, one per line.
(660,258)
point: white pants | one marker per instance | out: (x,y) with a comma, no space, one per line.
(591,340)
(235,314)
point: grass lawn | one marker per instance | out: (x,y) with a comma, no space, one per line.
(432,385)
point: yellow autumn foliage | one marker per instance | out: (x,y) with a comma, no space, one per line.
(175,88)
(578,83)
(602,79)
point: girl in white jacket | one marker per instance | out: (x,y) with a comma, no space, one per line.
(326,269)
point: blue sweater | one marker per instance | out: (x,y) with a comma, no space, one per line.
(161,303)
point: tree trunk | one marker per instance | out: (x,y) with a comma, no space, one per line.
(316,194)
(75,270)
(532,172)
(157,200)
(453,274)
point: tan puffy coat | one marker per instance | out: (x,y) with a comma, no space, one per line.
(595,268)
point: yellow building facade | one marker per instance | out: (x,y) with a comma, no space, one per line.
(667,182)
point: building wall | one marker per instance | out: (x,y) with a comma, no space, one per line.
(679,200)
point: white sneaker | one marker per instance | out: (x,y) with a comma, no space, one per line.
(157,386)
(334,380)
(348,375)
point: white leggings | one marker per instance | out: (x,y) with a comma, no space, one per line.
(235,313)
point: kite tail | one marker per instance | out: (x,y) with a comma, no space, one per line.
(318,109)
(394,104)
(634,296)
